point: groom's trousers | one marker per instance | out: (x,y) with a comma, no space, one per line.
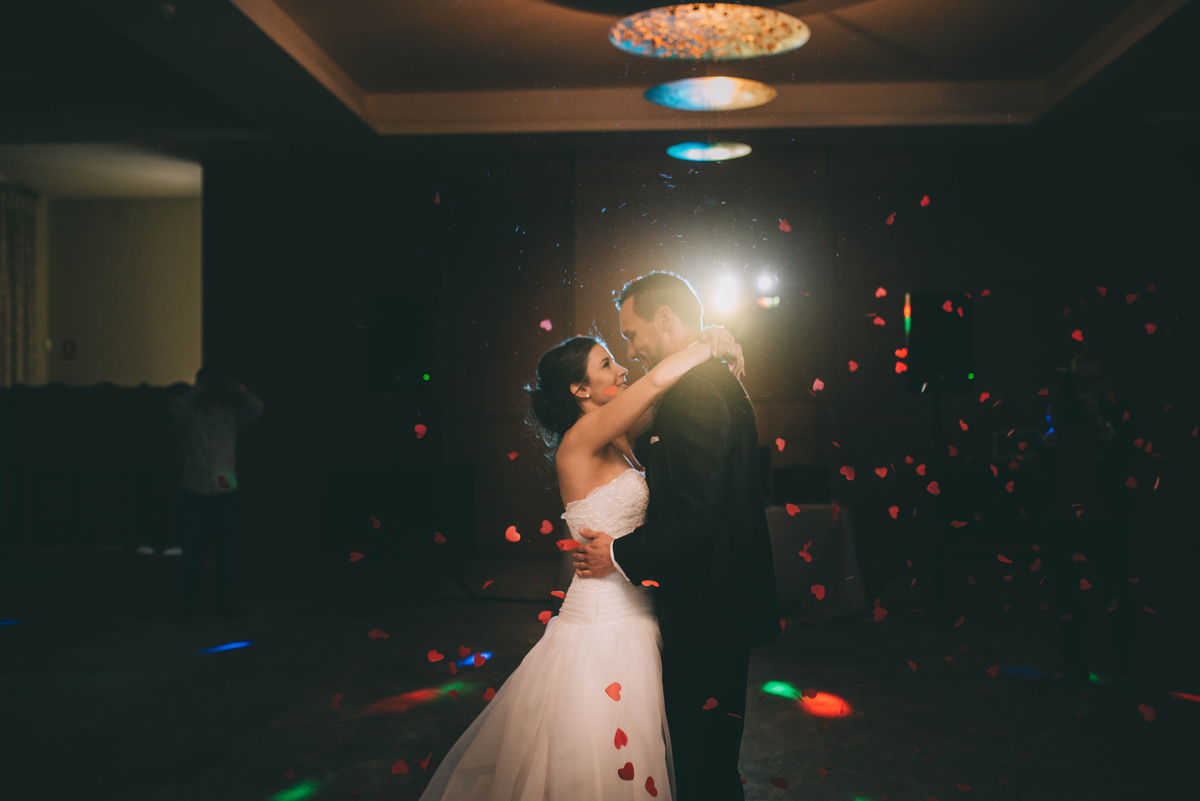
(705,742)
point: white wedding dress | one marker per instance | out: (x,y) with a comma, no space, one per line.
(550,732)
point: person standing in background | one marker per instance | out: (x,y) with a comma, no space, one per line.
(209,414)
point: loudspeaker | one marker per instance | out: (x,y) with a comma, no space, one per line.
(398,344)
(940,333)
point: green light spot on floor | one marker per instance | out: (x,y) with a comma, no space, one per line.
(302,790)
(780,688)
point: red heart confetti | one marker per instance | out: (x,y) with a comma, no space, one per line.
(1137,443)
(438,538)
(547,527)
(375,522)
(901,353)
(1147,712)
(337,699)
(420,429)
(479,659)
(1009,486)
(437,197)
(933,488)
(620,739)
(779,781)
(881,293)
(853,365)
(806,556)
(894,511)
(995,472)
(1078,557)
(424,764)
(400,767)
(1103,290)
(1037,564)
(908,459)
(1004,559)
(545,616)
(453,694)
(901,367)
(489,693)
(1150,288)
(711,703)
(953,451)
(1131,482)
(792,509)
(614,691)
(376,634)
(1084,584)
(463,652)
(891,218)
(650,788)
(920,470)
(783,226)
(958,523)
(1077,335)
(1151,328)
(782,626)
(994,671)
(879,613)
(780,443)
(626,772)
(1148,609)
(511,534)
(833,511)
(434,656)
(848,472)
(1043,607)
(1131,298)
(1043,391)
(818,590)
(879,321)
(985,293)
(222,483)
(567,545)
(912,665)
(546,324)
(649,583)
(925,202)
(818,385)
(881,472)
(962,425)
(486,583)
(354,557)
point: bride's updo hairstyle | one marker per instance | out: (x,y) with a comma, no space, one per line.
(552,407)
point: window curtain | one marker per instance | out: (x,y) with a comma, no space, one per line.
(18,348)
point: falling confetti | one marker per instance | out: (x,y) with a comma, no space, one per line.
(925,200)
(420,429)
(780,443)
(222,483)
(894,511)
(1151,328)
(1077,335)
(626,772)
(881,472)
(434,656)
(853,365)
(438,538)
(489,693)
(912,665)
(933,488)
(783,226)
(511,534)
(614,691)
(486,583)
(879,321)
(1131,298)
(902,353)
(620,739)
(376,634)
(958,523)
(848,472)
(354,557)
(437,197)
(891,218)
(545,616)
(650,788)
(512,456)
(818,590)
(546,324)
(1147,712)
(901,367)
(881,293)
(793,509)
(1102,290)
(711,703)
(818,385)
(567,545)
(649,583)
(400,767)
(558,593)
(375,522)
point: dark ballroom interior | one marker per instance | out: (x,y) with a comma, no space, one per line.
(947,236)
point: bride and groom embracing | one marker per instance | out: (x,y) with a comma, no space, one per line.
(637,689)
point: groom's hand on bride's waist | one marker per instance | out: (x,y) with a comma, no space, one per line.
(593,559)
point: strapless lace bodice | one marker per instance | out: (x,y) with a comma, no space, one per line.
(616,508)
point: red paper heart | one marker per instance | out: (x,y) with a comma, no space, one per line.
(400,767)
(547,527)
(958,523)
(948,306)
(546,324)
(489,693)
(953,451)
(337,699)
(833,511)
(1009,486)
(779,782)
(806,556)
(881,472)
(567,545)
(912,665)
(453,694)
(424,764)
(1084,584)
(879,321)
(545,616)
(1043,391)
(879,614)
(375,522)
(853,365)
(437,197)
(1151,328)
(848,472)
(434,656)
(614,691)
(780,443)
(649,583)
(354,557)
(901,367)
(920,470)
(881,293)
(963,787)
(818,385)
(1131,482)
(901,353)
(933,488)
(925,202)
(650,788)
(420,429)
(558,593)
(994,671)
(626,772)
(1131,298)
(1147,712)
(463,651)
(710,703)
(438,538)
(995,472)
(1102,290)
(511,534)
(1037,564)
(512,456)
(620,739)
(894,511)
(376,634)
(818,590)
(486,583)
(1113,606)
(783,226)
(891,218)
(1043,607)
(479,659)
(1078,557)
(792,509)
(222,483)
(1004,559)
(1077,335)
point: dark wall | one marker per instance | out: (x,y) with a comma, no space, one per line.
(293,250)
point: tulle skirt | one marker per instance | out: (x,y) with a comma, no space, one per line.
(550,732)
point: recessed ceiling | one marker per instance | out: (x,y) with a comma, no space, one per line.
(99,171)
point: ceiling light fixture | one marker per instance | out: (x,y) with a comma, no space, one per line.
(708,32)
(711,94)
(715,151)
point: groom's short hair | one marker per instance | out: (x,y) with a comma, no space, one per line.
(654,290)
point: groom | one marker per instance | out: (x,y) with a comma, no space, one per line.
(704,542)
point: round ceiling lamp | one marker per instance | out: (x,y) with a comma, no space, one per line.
(711,94)
(702,151)
(708,32)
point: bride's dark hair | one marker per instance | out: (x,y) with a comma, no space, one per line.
(553,409)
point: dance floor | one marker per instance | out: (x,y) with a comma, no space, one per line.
(103,696)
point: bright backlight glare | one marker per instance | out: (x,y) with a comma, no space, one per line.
(699,151)
(765,282)
(727,291)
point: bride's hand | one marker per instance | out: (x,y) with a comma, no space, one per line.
(736,361)
(724,347)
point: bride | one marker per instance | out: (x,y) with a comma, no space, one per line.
(582,717)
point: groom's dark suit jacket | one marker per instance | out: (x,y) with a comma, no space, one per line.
(705,538)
